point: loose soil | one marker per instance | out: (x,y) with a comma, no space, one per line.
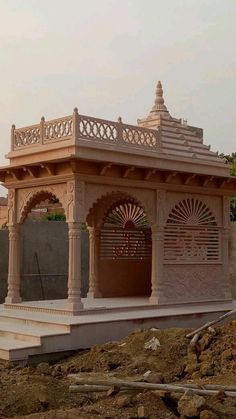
(43,391)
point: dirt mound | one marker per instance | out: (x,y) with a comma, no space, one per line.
(215,355)
(129,356)
(43,391)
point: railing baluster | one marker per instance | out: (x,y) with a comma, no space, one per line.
(42,123)
(120,131)
(13,137)
(75,122)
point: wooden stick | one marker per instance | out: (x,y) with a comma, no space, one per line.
(87,388)
(148,386)
(194,340)
(208,386)
(206,325)
(84,388)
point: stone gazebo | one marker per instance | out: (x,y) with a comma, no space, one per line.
(154,197)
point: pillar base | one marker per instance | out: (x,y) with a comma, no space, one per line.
(154,299)
(13,300)
(75,308)
(94,294)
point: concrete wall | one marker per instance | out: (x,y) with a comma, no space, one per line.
(49,240)
(232,257)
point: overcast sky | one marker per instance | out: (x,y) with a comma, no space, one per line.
(105,57)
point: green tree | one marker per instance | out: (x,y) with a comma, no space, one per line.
(231,158)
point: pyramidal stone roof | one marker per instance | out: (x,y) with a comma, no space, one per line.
(177,137)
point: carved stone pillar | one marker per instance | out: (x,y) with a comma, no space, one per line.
(157,264)
(225,258)
(75,216)
(94,235)
(74,272)
(225,248)
(13,294)
(158,248)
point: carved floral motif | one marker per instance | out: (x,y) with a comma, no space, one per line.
(11,207)
(192,283)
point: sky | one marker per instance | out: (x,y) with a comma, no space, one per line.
(106,56)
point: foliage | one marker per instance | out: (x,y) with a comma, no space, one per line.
(231,158)
(4,226)
(233,209)
(55,216)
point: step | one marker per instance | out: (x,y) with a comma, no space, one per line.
(34,320)
(28,333)
(13,350)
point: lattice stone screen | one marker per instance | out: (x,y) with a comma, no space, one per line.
(191,234)
(126,234)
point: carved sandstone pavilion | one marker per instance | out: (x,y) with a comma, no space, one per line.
(154,197)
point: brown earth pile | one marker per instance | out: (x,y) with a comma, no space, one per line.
(43,391)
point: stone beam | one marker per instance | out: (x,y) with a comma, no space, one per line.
(103,168)
(188,178)
(49,167)
(207,180)
(32,170)
(127,170)
(149,173)
(169,176)
(16,174)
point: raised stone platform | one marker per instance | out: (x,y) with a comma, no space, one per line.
(43,327)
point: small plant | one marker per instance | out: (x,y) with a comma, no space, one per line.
(55,216)
(231,158)
(4,226)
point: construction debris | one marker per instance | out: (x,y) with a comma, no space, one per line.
(153,344)
(124,379)
(174,388)
(209,324)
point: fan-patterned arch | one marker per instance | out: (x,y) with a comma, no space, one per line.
(127,215)
(191,211)
(125,233)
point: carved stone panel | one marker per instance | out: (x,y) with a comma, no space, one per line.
(190,283)
(75,201)
(11,207)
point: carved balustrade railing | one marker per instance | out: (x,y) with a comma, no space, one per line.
(85,128)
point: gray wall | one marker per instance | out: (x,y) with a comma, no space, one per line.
(49,239)
(232,257)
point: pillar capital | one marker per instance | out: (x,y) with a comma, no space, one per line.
(74,227)
(94,232)
(14,231)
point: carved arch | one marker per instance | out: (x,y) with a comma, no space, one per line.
(34,197)
(98,211)
(191,211)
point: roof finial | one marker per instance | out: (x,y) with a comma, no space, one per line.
(159,106)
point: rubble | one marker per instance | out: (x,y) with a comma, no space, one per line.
(43,391)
